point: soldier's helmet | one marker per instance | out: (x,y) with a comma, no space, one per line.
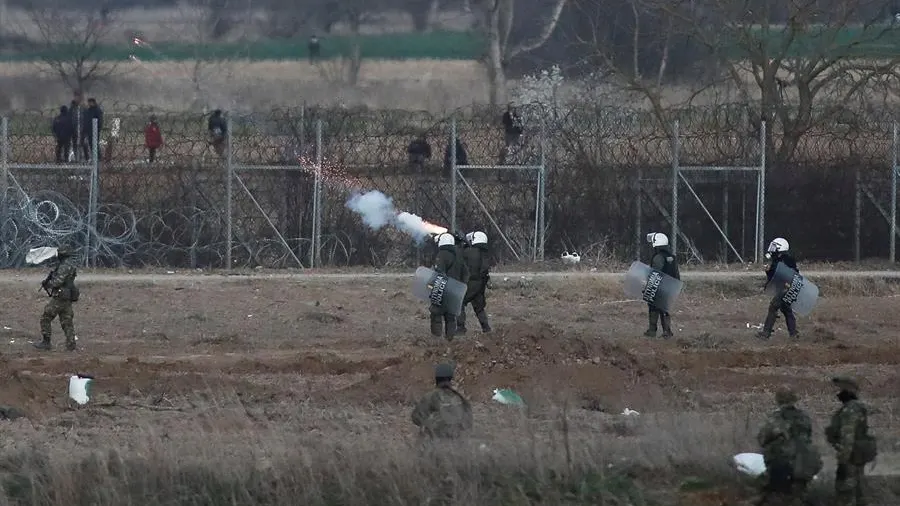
(443,371)
(846,384)
(785,397)
(65,250)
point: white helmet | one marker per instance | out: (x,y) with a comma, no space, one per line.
(446,240)
(657,239)
(478,238)
(778,245)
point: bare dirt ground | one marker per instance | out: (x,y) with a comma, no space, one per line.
(191,351)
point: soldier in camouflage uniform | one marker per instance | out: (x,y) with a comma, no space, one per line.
(790,457)
(479,276)
(450,262)
(443,413)
(663,261)
(60,287)
(848,433)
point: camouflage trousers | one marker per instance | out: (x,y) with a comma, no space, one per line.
(63,309)
(848,485)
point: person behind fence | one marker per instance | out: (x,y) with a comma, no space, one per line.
(664,261)
(92,112)
(443,412)
(512,131)
(152,138)
(791,458)
(479,277)
(60,287)
(450,262)
(848,434)
(218,130)
(63,131)
(462,158)
(419,152)
(315,48)
(778,251)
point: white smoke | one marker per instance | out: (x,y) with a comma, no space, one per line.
(377,210)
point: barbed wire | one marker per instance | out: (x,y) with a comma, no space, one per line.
(172,212)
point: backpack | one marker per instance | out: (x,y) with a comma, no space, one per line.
(865,447)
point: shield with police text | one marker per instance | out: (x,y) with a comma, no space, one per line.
(794,289)
(439,289)
(652,286)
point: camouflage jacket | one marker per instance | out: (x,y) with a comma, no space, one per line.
(786,432)
(848,425)
(443,413)
(61,280)
(450,262)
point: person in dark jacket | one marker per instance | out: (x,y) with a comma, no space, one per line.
(479,276)
(512,131)
(419,152)
(778,252)
(75,116)
(663,261)
(462,158)
(218,130)
(451,263)
(92,112)
(63,131)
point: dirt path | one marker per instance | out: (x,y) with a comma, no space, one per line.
(104,277)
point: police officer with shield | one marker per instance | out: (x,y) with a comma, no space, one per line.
(663,261)
(778,252)
(449,262)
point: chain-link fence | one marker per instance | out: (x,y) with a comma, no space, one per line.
(272,191)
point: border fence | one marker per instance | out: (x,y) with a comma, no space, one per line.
(590,179)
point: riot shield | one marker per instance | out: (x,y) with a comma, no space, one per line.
(651,286)
(438,289)
(794,289)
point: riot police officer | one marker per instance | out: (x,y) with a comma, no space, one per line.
(663,261)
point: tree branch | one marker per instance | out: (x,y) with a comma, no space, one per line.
(545,34)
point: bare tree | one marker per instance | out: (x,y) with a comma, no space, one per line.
(70,43)
(203,25)
(497,17)
(794,64)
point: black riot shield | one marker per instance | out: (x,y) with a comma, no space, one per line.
(438,289)
(794,289)
(651,286)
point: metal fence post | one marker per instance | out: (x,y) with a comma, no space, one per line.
(315,257)
(453,174)
(4,167)
(676,148)
(857,216)
(639,211)
(95,190)
(761,197)
(540,226)
(229,175)
(894,194)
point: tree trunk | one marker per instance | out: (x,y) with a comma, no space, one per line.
(496,72)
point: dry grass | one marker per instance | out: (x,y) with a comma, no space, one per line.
(435,85)
(347,456)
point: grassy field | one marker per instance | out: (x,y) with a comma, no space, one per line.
(281,393)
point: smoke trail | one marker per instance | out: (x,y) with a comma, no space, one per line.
(377,210)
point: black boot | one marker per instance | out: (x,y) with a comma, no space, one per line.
(667,326)
(654,319)
(43,345)
(791,321)
(436,325)
(449,327)
(483,320)
(461,322)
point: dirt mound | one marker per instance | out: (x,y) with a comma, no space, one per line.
(537,360)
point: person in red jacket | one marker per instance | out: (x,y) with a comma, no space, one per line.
(152,138)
